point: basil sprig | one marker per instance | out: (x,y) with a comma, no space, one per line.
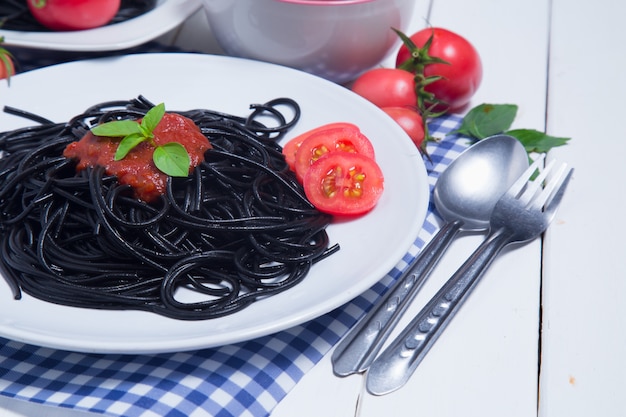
(491,119)
(170,158)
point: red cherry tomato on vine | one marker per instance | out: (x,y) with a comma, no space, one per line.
(461,78)
(343,183)
(73,14)
(7,68)
(291,147)
(345,140)
(387,87)
(409,120)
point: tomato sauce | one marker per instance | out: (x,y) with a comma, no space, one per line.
(137,169)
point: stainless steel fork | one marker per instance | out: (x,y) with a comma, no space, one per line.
(522,214)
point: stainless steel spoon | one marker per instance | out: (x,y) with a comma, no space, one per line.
(464,195)
(522,214)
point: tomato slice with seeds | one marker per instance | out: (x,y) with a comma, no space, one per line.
(330,140)
(343,183)
(291,147)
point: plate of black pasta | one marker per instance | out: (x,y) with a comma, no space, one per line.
(232,252)
(137,22)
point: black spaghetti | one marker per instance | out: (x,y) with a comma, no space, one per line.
(238,229)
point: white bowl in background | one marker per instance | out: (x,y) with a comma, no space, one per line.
(335,39)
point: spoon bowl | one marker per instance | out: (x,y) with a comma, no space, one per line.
(465,195)
(472,184)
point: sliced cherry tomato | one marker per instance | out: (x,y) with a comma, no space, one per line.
(338,139)
(291,147)
(343,183)
(409,120)
(387,87)
(73,14)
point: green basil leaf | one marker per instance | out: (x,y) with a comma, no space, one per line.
(117,128)
(172,159)
(536,141)
(127,144)
(152,119)
(487,120)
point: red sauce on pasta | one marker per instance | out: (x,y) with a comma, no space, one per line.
(137,169)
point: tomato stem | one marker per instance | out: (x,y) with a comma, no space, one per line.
(39,4)
(426,101)
(6,61)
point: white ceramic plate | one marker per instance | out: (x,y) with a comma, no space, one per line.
(166,15)
(370,246)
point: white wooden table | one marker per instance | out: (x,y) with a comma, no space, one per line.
(545,332)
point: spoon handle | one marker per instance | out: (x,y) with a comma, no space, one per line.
(392,369)
(357,350)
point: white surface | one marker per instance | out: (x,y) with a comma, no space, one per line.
(166,15)
(584,327)
(224,84)
(488,364)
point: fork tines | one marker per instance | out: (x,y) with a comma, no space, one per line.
(546,189)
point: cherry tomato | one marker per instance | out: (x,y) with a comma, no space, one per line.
(291,147)
(387,87)
(409,120)
(7,68)
(461,78)
(346,140)
(343,183)
(73,14)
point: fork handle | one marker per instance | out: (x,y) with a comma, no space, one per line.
(357,350)
(397,363)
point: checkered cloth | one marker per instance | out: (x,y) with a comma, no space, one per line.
(244,379)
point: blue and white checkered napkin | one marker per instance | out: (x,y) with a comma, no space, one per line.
(244,379)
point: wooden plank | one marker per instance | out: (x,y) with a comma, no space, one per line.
(584,321)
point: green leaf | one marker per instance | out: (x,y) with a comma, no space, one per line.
(117,128)
(127,144)
(152,119)
(536,141)
(488,119)
(172,159)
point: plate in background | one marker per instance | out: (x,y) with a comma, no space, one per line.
(166,15)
